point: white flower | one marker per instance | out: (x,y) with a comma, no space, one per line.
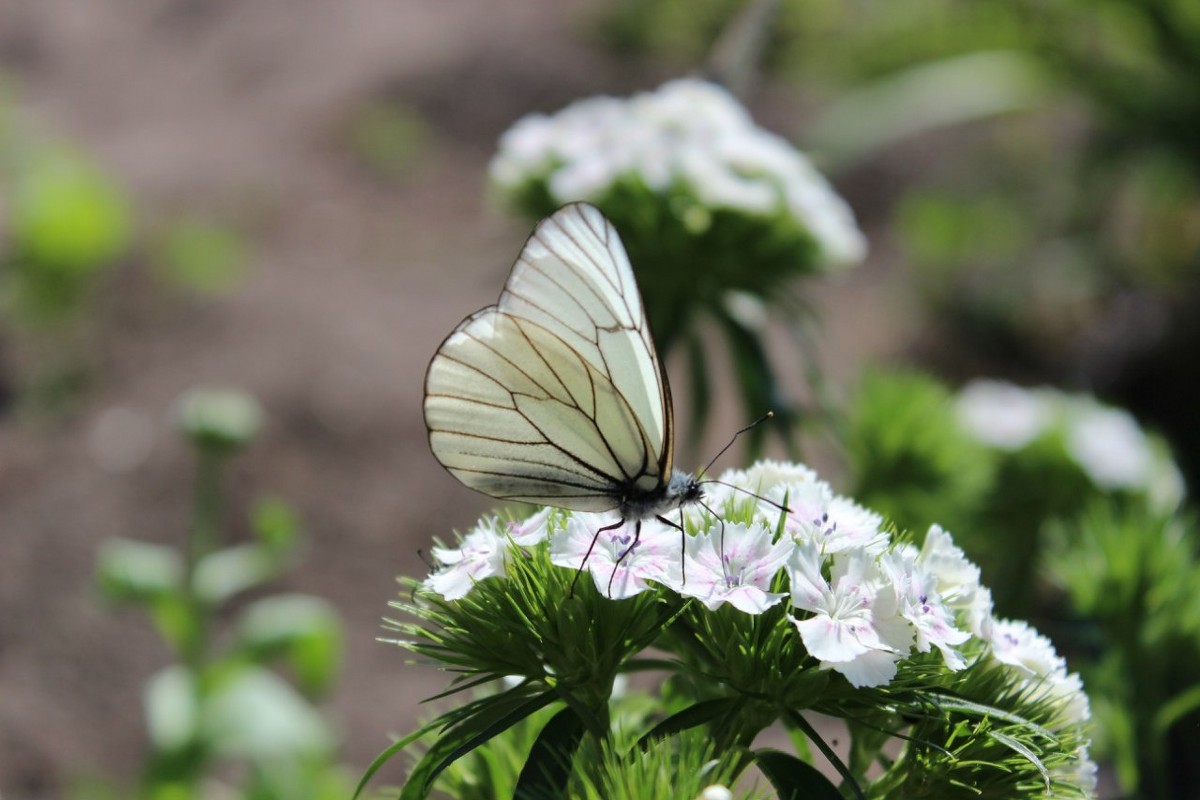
(532,530)
(690,135)
(957,580)
(920,604)
(1003,415)
(1110,447)
(855,628)
(1082,772)
(734,564)
(715,792)
(833,522)
(621,560)
(1016,643)
(483,553)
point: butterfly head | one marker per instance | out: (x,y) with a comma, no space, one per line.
(681,490)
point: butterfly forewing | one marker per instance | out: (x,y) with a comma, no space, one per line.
(555,395)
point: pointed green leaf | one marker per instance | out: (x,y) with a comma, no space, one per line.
(794,779)
(492,717)
(797,720)
(390,752)
(698,714)
(545,774)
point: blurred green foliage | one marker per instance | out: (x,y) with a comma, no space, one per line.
(226,700)
(201,255)
(67,221)
(1131,578)
(1111,574)
(387,138)
(1039,164)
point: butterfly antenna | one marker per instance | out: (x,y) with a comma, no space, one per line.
(745,491)
(425,559)
(734,438)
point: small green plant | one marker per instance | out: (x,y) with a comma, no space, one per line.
(225,701)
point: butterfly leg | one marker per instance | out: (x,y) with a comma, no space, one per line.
(708,508)
(682,541)
(637,534)
(588,555)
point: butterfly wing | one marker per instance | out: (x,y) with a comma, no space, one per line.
(555,395)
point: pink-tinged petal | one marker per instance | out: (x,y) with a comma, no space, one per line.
(829,639)
(872,668)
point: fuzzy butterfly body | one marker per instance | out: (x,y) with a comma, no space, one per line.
(556,395)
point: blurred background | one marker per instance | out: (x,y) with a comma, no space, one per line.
(292,199)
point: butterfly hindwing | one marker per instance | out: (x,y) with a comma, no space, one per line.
(555,395)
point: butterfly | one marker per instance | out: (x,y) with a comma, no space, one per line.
(556,395)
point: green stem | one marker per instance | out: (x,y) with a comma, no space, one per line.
(202,540)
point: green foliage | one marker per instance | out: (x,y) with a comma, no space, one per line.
(1131,575)
(224,701)
(201,255)
(1123,567)
(67,222)
(907,462)
(388,138)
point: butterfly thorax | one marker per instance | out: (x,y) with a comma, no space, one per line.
(679,491)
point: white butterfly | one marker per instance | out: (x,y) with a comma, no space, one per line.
(556,395)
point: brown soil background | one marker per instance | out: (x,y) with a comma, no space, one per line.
(240,110)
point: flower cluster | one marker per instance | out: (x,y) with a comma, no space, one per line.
(769,588)
(860,602)
(689,138)
(1106,443)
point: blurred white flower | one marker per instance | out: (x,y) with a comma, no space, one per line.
(1003,415)
(687,135)
(1110,446)
(1107,443)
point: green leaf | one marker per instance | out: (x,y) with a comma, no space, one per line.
(67,216)
(171,702)
(276,525)
(390,751)
(794,779)
(796,720)
(253,713)
(1028,754)
(302,629)
(545,774)
(129,571)
(495,716)
(698,714)
(225,573)
(202,255)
